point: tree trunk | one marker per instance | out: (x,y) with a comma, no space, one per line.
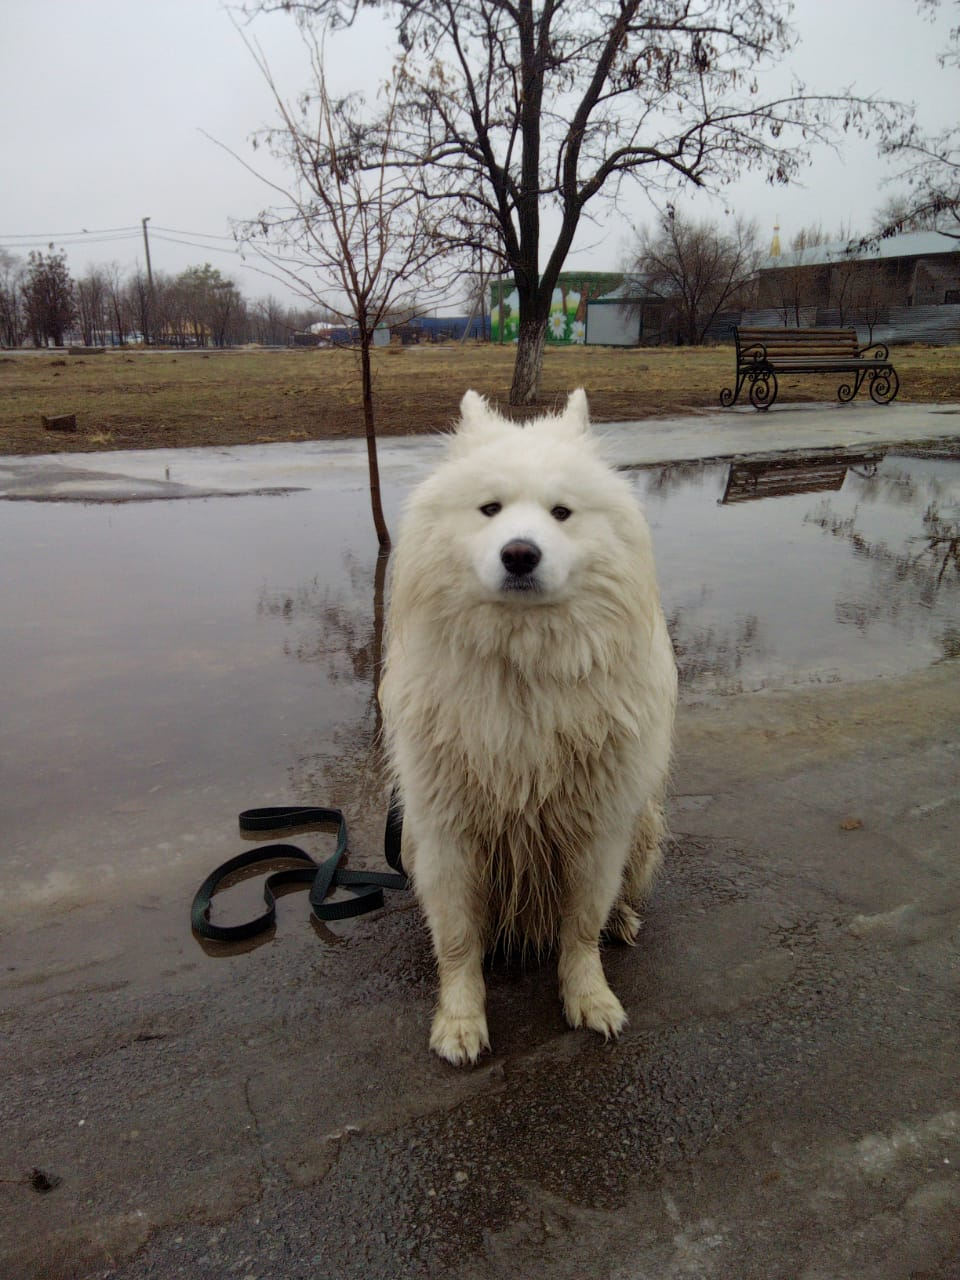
(379,619)
(529,362)
(376,505)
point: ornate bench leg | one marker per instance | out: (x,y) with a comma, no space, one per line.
(763,388)
(884,384)
(845,393)
(728,397)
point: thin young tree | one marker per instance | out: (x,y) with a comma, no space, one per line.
(351,233)
(519,109)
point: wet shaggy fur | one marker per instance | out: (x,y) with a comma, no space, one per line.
(528,700)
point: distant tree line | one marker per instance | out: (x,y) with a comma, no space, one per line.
(43,305)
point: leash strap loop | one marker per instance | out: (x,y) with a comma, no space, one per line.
(366,887)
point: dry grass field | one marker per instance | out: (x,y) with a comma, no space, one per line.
(141,399)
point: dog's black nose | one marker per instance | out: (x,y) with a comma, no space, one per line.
(520,557)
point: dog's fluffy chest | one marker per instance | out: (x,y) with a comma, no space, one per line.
(526,743)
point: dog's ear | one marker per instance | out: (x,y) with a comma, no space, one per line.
(577,413)
(474,410)
(479,421)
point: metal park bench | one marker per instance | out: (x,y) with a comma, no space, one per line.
(763,353)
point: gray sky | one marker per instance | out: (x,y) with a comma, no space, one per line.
(106,104)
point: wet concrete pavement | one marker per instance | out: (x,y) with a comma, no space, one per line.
(784,1103)
(172,473)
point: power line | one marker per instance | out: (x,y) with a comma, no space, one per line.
(107,235)
(201,235)
(83,234)
(66,244)
(193,244)
(81,240)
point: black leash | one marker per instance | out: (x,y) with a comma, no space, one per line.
(322,877)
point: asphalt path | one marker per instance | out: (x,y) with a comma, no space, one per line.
(784,1104)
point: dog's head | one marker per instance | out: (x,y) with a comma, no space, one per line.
(520,488)
(522,515)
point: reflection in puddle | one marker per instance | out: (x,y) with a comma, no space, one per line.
(775,573)
(748,481)
(148,691)
(167,664)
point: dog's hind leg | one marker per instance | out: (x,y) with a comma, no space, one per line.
(449,900)
(589,896)
(623,923)
(643,862)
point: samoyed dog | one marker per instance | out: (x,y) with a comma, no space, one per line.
(528,700)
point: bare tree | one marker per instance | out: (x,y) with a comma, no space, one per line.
(351,233)
(695,268)
(210,308)
(929,163)
(140,304)
(899,213)
(845,278)
(117,303)
(92,306)
(873,292)
(797,283)
(476,281)
(271,323)
(515,108)
(13,322)
(49,297)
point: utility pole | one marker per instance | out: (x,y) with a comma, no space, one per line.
(146,245)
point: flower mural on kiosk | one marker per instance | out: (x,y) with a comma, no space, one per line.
(567,322)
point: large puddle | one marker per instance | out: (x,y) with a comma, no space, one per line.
(168,663)
(776,573)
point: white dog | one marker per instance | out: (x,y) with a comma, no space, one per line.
(528,701)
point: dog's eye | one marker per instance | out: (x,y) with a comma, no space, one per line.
(561,513)
(490,508)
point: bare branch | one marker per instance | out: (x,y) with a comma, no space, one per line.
(512,106)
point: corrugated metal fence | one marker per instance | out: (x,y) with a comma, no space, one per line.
(940,325)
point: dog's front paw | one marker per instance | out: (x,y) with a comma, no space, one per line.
(459,1040)
(599,1009)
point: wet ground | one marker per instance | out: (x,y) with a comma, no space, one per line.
(785,1100)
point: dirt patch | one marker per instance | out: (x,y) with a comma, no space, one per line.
(142,399)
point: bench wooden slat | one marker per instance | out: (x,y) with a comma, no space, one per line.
(810,353)
(827,363)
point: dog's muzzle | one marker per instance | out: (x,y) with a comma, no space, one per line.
(520,558)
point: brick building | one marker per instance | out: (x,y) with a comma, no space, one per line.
(916,269)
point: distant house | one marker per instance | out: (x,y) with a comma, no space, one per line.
(327,335)
(443,329)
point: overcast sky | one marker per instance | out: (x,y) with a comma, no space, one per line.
(106,105)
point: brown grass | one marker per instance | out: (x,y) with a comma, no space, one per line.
(137,399)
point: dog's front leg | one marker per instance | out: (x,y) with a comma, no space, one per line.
(449,899)
(590,893)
